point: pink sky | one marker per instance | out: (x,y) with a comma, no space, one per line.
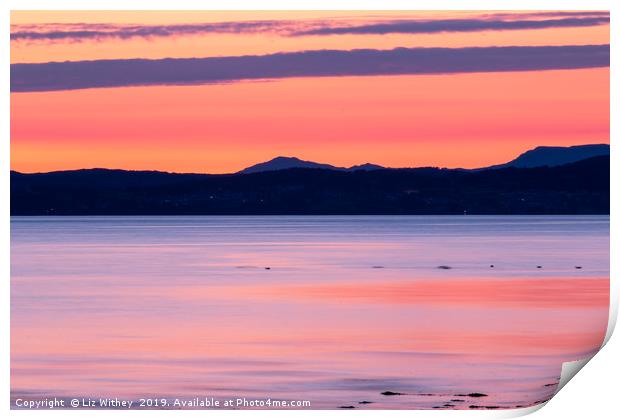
(448,120)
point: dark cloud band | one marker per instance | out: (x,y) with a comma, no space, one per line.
(454,25)
(140,72)
(493,22)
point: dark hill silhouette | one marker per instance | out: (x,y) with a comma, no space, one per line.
(540,156)
(555,156)
(365,167)
(576,188)
(282,163)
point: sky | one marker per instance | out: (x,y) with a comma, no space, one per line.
(215,92)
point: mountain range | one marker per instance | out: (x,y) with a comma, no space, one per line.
(540,156)
(555,156)
(544,180)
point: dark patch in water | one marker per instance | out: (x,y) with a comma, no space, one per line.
(473,395)
(540,401)
(391,393)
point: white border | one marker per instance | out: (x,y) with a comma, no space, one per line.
(312,5)
(592,395)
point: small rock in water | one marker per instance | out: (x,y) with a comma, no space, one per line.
(473,394)
(540,401)
(578,267)
(267,268)
(364,402)
(444,267)
(491,266)
(346,406)
(391,393)
(457,400)
(539,266)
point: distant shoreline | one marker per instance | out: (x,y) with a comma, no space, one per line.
(579,188)
(59,216)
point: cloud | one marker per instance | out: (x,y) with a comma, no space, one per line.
(454,25)
(550,13)
(33,77)
(76,32)
(86,31)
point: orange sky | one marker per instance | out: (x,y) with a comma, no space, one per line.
(456,120)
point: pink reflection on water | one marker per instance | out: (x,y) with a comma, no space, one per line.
(209,320)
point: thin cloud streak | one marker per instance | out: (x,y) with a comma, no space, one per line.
(80,32)
(454,25)
(367,62)
(557,13)
(77,32)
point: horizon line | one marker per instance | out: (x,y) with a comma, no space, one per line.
(335,167)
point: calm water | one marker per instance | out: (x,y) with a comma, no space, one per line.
(350,307)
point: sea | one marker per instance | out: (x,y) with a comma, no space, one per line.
(310,312)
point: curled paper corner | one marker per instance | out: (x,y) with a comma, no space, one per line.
(569,370)
(518,412)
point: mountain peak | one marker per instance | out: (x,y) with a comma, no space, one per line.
(365,167)
(285,158)
(555,156)
(287,162)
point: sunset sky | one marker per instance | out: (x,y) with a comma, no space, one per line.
(220,91)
